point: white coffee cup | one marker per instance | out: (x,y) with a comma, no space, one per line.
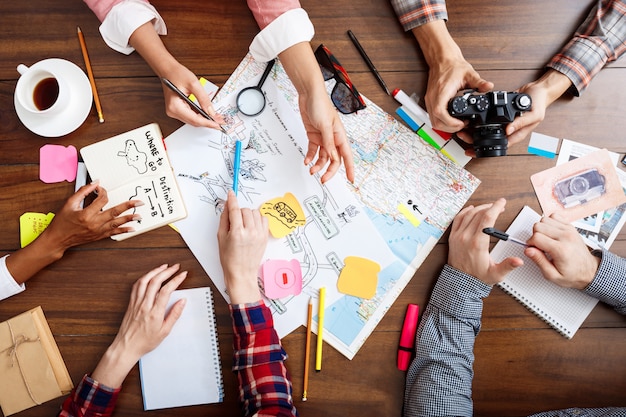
(41,90)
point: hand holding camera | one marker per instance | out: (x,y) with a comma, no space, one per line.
(488,114)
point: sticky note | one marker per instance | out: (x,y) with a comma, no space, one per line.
(32,225)
(285,214)
(281,278)
(57,163)
(359,277)
(543,145)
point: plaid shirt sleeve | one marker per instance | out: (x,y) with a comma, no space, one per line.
(264,383)
(414,13)
(599,40)
(439,381)
(90,399)
(609,284)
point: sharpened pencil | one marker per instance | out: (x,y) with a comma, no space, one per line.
(92,81)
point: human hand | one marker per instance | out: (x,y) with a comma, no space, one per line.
(144,326)
(177,108)
(469,246)
(242,238)
(445,79)
(74,225)
(543,92)
(327,135)
(561,254)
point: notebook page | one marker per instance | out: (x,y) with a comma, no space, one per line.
(185,368)
(565,309)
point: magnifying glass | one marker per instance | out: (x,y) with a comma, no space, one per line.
(251,100)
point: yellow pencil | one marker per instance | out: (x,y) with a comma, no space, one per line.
(307,351)
(92,81)
(320,330)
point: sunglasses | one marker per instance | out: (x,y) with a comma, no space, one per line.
(344,96)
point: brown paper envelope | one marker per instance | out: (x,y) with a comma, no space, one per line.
(28,369)
(54,355)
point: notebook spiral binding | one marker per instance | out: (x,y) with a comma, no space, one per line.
(216,344)
(530,306)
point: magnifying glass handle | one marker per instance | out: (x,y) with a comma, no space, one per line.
(269,67)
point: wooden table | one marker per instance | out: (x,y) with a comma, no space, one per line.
(522,365)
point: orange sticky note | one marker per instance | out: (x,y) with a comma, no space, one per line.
(359,277)
(285,214)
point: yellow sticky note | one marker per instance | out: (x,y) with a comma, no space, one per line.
(32,225)
(285,214)
(359,277)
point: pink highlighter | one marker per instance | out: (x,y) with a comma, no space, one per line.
(407,337)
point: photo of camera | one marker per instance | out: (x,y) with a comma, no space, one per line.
(488,115)
(580,188)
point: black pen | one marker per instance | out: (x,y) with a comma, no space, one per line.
(193,105)
(368,62)
(498,234)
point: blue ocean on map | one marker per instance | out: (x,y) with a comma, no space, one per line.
(347,316)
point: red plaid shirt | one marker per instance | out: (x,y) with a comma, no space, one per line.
(264,384)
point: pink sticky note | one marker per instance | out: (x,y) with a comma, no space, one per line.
(57,163)
(281,278)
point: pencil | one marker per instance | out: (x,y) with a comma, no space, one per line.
(307,351)
(92,81)
(236,166)
(368,61)
(320,330)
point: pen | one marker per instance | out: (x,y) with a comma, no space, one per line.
(369,63)
(236,166)
(307,351)
(320,330)
(406,347)
(193,105)
(92,81)
(498,234)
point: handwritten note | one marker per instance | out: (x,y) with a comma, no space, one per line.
(32,225)
(285,214)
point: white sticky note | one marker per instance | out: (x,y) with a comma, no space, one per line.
(543,145)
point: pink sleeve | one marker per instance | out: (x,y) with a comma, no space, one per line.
(265,11)
(102,7)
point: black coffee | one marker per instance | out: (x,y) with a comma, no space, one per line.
(46,93)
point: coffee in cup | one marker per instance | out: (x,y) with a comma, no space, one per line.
(41,91)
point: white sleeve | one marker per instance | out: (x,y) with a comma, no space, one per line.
(8,286)
(288,29)
(124,18)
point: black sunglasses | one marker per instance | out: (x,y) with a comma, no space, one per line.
(344,96)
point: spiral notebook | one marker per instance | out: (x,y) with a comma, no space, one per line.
(565,309)
(185,368)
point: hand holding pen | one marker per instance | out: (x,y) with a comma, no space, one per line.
(200,113)
(469,247)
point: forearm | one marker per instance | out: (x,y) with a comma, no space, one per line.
(439,381)
(149,45)
(303,70)
(437,44)
(24,263)
(258,361)
(609,283)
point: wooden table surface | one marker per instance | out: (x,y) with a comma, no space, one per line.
(522,365)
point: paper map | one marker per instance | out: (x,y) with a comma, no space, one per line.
(404,197)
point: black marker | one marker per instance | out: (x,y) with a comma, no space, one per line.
(498,234)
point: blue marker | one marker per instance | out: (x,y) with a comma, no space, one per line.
(236,165)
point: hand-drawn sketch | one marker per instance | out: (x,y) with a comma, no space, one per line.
(134,157)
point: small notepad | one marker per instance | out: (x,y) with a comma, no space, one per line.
(185,368)
(565,309)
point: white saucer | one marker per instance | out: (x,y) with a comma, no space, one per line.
(70,118)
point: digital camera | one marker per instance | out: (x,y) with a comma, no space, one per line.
(580,188)
(488,115)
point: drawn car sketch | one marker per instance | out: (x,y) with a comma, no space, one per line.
(580,188)
(134,157)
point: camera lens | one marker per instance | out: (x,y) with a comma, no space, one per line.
(489,140)
(579,185)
